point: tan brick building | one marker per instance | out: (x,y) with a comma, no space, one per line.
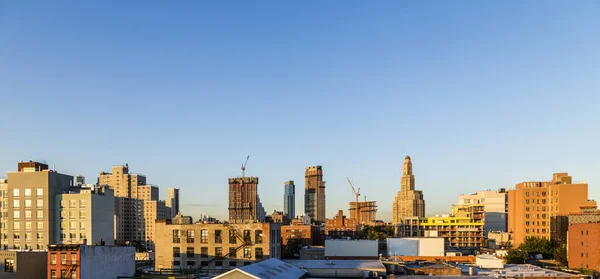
(584,246)
(314,194)
(408,202)
(215,246)
(28,206)
(532,204)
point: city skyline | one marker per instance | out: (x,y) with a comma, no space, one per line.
(480,95)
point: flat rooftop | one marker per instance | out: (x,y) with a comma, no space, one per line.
(512,270)
(370,265)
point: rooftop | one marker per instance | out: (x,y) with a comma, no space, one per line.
(370,265)
(271,268)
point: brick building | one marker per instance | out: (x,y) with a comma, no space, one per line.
(244,203)
(340,226)
(584,246)
(293,237)
(90,262)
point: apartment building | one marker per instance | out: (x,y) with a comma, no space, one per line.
(340,226)
(90,262)
(584,246)
(244,202)
(495,208)
(289,200)
(28,206)
(137,206)
(294,237)
(408,227)
(462,229)
(532,204)
(314,194)
(172,201)
(85,216)
(215,246)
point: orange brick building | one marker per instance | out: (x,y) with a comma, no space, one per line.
(298,236)
(340,226)
(584,246)
(64,261)
(532,204)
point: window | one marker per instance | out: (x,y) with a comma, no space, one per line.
(176,236)
(527,223)
(232,264)
(27,226)
(28,192)
(218,252)
(232,239)
(82,226)
(82,235)
(16,214)
(40,226)
(527,208)
(582,244)
(82,203)
(204,252)
(587,233)
(258,253)
(247,263)
(190,236)
(258,236)
(40,237)
(204,263)
(17,225)
(232,253)
(39,214)
(73,258)
(247,237)
(52,274)
(203,236)
(39,203)
(176,263)
(247,252)
(73,225)
(27,214)
(27,203)
(16,203)
(39,192)
(52,258)
(189,252)
(527,201)
(527,194)
(218,236)
(218,263)
(81,214)
(16,236)
(63,259)
(527,215)
(72,235)
(526,230)
(73,274)
(72,203)
(16,193)
(176,252)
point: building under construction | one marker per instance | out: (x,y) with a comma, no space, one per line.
(244,203)
(364,212)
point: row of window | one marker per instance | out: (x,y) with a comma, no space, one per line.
(17,192)
(534,230)
(218,236)
(39,214)
(190,252)
(27,246)
(28,236)
(63,258)
(63,236)
(38,203)
(73,214)
(63,274)
(537,216)
(72,225)
(191,264)
(73,203)
(28,226)
(533,223)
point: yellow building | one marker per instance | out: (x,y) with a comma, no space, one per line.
(462,229)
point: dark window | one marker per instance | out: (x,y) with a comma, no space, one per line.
(176,252)
(218,252)
(232,264)
(218,236)
(232,253)
(190,263)
(189,252)
(204,252)
(176,263)
(52,274)
(258,253)
(176,236)
(247,263)
(247,236)
(258,236)
(218,263)
(232,239)
(204,263)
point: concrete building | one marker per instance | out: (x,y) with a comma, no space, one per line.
(294,237)
(343,249)
(584,246)
(408,202)
(215,246)
(28,206)
(532,204)
(23,264)
(499,240)
(90,262)
(408,227)
(289,200)
(85,216)
(244,202)
(137,206)
(416,246)
(364,212)
(279,217)
(340,226)
(314,194)
(267,269)
(495,208)
(460,231)
(172,201)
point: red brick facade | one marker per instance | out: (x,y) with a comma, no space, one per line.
(584,246)
(63,261)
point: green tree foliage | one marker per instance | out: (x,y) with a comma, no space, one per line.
(560,255)
(376,232)
(516,256)
(537,245)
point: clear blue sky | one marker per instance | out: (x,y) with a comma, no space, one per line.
(481,94)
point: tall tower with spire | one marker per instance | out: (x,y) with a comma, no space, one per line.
(408,202)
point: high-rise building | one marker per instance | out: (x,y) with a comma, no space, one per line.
(28,206)
(244,203)
(85,216)
(289,200)
(408,202)
(314,194)
(495,208)
(364,212)
(136,206)
(172,201)
(532,204)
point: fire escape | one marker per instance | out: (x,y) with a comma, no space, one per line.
(239,236)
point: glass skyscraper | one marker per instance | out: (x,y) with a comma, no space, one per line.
(289,200)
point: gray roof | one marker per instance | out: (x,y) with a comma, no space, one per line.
(269,269)
(367,265)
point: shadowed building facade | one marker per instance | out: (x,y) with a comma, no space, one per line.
(408,202)
(314,197)
(289,200)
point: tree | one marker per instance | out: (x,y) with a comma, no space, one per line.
(376,232)
(516,256)
(560,255)
(537,245)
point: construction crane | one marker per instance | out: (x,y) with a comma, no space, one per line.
(244,166)
(356,206)
(356,193)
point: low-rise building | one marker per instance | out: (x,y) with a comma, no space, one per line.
(463,229)
(23,264)
(340,268)
(90,262)
(415,246)
(215,246)
(499,240)
(294,237)
(343,249)
(583,246)
(85,216)
(267,269)
(408,227)
(340,226)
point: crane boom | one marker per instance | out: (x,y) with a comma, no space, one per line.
(357,194)
(244,166)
